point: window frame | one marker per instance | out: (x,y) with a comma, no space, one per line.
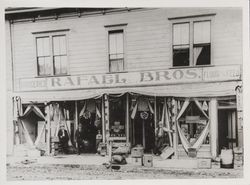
(191,20)
(51,34)
(114,28)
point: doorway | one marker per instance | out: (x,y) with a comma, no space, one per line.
(227,129)
(144,130)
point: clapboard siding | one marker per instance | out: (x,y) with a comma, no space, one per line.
(147,44)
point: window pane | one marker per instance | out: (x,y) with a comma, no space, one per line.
(112,44)
(119,42)
(202,32)
(44,66)
(64,64)
(60,65)
(47,66)
(181,57)
(42,46)
(116,42)
(116,65)
(181,34)
(41,66)
(202,55)
(59,45)
(57,65)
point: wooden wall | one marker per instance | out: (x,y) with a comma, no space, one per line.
(148,40)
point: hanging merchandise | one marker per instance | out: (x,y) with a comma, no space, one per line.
(86,114)
(144,115)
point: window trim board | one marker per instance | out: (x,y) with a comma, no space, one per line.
(191,20)
(50,35)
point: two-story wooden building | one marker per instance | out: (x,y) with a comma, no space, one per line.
(122,71)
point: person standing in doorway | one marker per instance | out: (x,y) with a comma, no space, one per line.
(98,139)
(63,139)
(79,135)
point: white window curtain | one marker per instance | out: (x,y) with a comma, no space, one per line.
(35,109)
(197,52)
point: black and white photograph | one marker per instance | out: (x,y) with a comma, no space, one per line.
(125,92)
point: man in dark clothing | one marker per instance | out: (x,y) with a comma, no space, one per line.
(63,139)
(79,135)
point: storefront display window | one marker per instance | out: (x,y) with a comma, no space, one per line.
(117,112)
(193,122)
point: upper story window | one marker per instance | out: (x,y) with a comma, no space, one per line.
(116,51)
(51,55)
(192,43)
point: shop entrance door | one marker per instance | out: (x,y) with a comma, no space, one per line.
(227,128)
(144,131)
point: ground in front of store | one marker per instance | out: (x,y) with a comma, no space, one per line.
(86,167)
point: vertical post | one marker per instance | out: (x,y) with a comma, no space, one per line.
(103,121)
(143,133)
(175,134)
(49,130)
(213,127)
(155,113)
(127,118)
(76,118)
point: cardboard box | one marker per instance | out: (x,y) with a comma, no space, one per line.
(204,163)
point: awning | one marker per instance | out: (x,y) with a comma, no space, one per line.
(181,90)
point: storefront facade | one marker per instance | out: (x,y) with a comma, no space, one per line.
(122,72)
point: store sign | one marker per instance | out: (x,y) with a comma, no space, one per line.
(143,78)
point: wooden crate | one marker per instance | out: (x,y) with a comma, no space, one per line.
(137,161)
(148,160)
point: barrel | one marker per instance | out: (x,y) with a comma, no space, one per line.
(227,158)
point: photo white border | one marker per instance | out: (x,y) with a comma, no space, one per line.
(244,4)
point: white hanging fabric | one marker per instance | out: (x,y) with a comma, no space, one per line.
(184,141)
(134,110)
(183,108)
(150,107)
(166,124)
(38,139)
(201,137)
(26,134)
(197,52)
(196,145)
(204,106)
(83,109)
(98,112)
(200,107)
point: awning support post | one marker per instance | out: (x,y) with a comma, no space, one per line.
(175,134)
(76,117)
(213,113)
(49,130)
(127,117)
